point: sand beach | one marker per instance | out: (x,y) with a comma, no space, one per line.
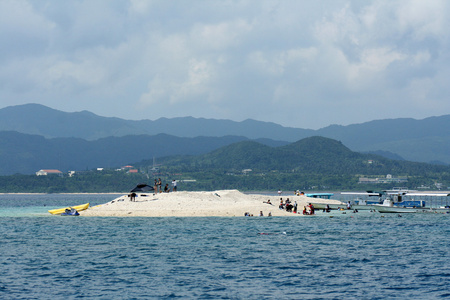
(221,203)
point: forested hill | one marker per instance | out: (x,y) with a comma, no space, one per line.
(27,154)
(313,155)
(312,163)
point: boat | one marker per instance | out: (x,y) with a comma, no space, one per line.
(364,198)
(358,204)
(320,195)
(385,208)
(401,210)
(397,200)
(71,212)
(336,204)
(60,211)
(397,204)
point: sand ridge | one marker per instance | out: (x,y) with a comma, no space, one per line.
(221,203)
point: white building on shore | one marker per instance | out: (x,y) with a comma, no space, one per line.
(48,172)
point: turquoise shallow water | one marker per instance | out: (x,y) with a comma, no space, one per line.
(353,256)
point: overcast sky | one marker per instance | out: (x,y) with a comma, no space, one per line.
(305,64)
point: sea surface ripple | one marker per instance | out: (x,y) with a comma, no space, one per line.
(352,256)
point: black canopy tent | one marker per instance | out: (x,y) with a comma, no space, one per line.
(142,188)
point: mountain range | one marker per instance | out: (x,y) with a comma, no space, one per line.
(34,137)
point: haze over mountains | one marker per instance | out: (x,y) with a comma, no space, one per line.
(31,132)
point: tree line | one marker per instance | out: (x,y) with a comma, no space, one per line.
(110,181)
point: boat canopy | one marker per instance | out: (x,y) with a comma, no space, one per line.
(370,194)
(428,194)
(320,195)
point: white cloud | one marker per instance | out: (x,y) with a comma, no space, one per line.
(24,32)
(424,18)
(190,87)
(372,62)
(267,60)
(219,37)
(276,64)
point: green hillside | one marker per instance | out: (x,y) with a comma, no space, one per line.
(26,154)
(314,163)
(311,163)
(314,155)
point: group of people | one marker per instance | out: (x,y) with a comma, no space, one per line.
(159,189)
(309,209)
(288,205)
(261,214)
(292,207)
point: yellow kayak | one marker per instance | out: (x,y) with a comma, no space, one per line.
(59,211)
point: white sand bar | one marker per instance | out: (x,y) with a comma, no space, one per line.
(223,203)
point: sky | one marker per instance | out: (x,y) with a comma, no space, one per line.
(297,63)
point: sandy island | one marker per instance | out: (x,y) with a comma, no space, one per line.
(224,203)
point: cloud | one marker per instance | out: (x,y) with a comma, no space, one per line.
(298,63)
(193,84)
(423,20)
(24,32)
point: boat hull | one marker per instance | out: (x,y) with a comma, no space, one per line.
(343,206)
(59,211)
(393,209)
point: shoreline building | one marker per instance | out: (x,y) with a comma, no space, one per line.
(46,172)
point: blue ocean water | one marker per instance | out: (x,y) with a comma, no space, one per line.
(352,256)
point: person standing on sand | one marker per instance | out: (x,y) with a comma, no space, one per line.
(159,185)
(174,185)
(156,187)
(133,197)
